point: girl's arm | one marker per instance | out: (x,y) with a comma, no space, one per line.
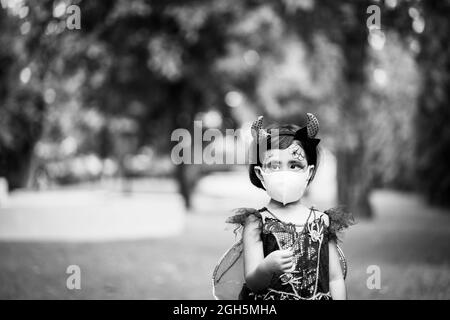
(337,284)
(257,273)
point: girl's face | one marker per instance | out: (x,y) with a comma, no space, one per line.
(285,173)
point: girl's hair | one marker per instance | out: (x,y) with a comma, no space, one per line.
(282,140)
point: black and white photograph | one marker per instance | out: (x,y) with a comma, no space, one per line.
(225,150)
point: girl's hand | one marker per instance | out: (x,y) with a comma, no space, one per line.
(280,261)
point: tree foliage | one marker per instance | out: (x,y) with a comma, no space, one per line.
(144,68)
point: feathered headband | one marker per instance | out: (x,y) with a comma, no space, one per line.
(305,134)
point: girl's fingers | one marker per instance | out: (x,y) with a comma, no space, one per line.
(287,260)
(292,268)
(287,253)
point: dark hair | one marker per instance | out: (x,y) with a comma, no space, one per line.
(282,140)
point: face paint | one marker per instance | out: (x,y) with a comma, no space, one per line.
(297,151)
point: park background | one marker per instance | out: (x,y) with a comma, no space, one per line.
(86,116)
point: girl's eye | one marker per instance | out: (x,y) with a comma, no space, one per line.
(273,166)
(296,166)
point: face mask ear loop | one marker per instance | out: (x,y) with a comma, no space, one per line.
(260,172)
(310,176)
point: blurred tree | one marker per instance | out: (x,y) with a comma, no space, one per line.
(160,64)
(433,116)
(344,24)
(151,62)
(354,181)
(154,63)
(424,25)
(22,107)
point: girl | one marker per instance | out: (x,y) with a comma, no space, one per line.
(287,250)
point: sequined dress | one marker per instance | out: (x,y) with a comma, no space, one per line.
(310,278)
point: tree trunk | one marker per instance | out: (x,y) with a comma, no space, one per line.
(354,181)
(353,187)
(17,169)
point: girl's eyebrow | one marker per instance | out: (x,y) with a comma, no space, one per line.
(269,155)
(267,161)
(297,161)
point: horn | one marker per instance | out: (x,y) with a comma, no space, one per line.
(256,126)
(257,130)
(312,125)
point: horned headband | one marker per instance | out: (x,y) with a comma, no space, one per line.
(305,134)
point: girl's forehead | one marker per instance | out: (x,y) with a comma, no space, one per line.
(293,152)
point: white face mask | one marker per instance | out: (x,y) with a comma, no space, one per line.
(285,186)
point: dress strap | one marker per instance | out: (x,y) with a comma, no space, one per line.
(263,216)
(267,210)
(312,209)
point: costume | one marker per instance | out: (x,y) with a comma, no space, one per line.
(308,281)
(310,277)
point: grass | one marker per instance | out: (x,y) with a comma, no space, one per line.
(408,241)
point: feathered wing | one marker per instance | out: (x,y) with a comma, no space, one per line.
(340,219)
(228,276)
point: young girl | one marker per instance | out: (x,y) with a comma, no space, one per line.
(287,250)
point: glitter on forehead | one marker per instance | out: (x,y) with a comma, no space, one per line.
(297,151)
(269,154)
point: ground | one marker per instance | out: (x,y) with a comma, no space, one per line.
(407,240)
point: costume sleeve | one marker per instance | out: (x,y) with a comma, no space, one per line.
(238,219)
(340,219)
